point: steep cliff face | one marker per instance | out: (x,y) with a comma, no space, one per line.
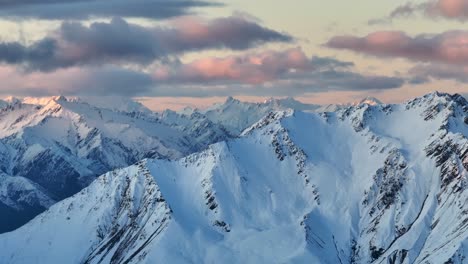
(365,184)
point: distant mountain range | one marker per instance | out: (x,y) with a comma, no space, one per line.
(51,148)
(272,182)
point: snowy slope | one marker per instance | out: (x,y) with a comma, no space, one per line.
(335,107)
(365,184)
(235,116)
(20,200)
(61,144)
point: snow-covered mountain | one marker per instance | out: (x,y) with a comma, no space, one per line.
(365,184)
(116,103)
(235,116)
(59,145)
(335,107)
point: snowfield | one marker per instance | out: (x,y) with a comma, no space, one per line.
(368,183)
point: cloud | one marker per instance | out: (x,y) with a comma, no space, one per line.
(251,68)
(288,72)
(440,72)
(85,9)
(403,11)
(451,9)
(269,73)
(36,54)
(328,81)
(449,47)
(235,32)
(121,42)
(108,80)
(448,9)
(330,63)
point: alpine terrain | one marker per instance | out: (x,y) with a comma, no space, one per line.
(51,148)
(366,183)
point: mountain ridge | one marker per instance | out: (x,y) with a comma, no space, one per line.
(86,136)
(402,171)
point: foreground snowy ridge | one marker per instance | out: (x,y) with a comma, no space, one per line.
(364,184)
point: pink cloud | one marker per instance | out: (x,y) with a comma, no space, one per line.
(449,47)
(454,9)
(251,68)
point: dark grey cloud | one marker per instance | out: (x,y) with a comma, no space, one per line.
(37,53)
(84,9)
(121,42)
(330,63)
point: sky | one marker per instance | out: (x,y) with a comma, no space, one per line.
(177,53)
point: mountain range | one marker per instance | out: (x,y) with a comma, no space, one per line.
(51,148)
(237,183)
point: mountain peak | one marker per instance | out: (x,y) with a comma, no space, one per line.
(42,100)
(439,97)
(446,96)
(231,99)
(286,100)
(370,101)
(59,98)
(12,100)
